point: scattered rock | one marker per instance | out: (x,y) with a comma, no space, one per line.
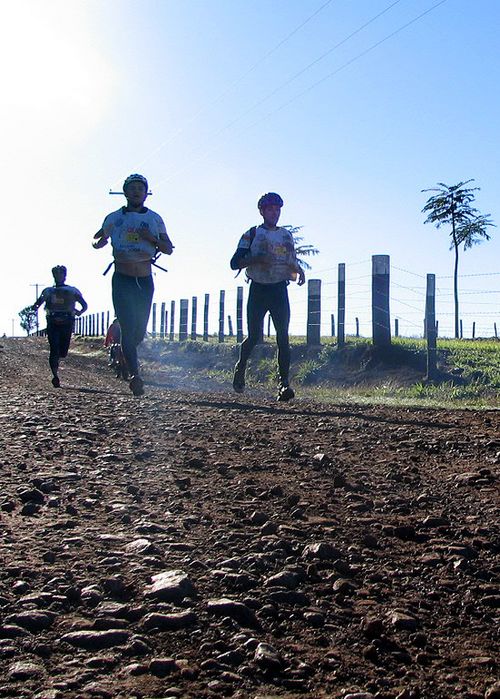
(96,640)
(170,586)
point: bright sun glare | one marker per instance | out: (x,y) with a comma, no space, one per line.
(55,82)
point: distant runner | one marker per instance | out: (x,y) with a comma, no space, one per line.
(112,342)
(137,234)
(60,301)
(268,253)
(114,334)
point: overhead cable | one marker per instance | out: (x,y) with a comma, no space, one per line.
(243,75)
(311,87)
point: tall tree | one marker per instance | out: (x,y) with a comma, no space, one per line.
(452,205)
(28,319)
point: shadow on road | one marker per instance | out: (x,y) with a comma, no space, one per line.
(296,409)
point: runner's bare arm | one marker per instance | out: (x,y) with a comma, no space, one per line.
(83,305)
(40,300)
(163,244)
(100,240)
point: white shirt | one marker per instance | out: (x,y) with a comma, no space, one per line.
(123,228)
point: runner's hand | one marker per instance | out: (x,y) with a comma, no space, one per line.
(302,277)
(145,234)
(100,240)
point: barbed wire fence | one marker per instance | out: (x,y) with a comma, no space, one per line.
(317,313)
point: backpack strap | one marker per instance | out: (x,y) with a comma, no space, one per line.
(252,231)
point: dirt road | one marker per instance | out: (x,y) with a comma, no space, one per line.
(211,545)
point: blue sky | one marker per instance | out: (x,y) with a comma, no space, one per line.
(219,101)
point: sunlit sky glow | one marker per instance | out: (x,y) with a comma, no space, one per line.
(217,102)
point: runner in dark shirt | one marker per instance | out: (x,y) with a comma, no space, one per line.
(60,301)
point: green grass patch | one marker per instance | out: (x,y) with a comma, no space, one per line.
(469,370)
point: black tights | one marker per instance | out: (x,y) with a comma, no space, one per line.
(59,336)
(261,299)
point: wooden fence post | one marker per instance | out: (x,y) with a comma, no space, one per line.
(162,320)
(194,316)
(396,327)
(103,331)
(107,322)
(221,315)
(495,330)
(205,318)
(314,312)
(381,322)
(230,325)
(474,330)
(357,327)
(183,320)
(268,325)
(172,321)
(332,318)
(153,321)
(239,314)
(461,329)
(430,318)
(341,305)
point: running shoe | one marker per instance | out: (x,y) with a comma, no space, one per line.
(239,379)
(55,382)
(136,385)
(285,393)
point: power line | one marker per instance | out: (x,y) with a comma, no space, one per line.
(273,92)
(324,55)
(236,82)
(311,87)
(356,58)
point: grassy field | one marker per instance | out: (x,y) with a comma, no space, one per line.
(469,377)
(469,370)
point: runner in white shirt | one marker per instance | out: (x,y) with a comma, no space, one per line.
(136,235)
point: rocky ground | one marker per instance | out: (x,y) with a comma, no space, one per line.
(203,544)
